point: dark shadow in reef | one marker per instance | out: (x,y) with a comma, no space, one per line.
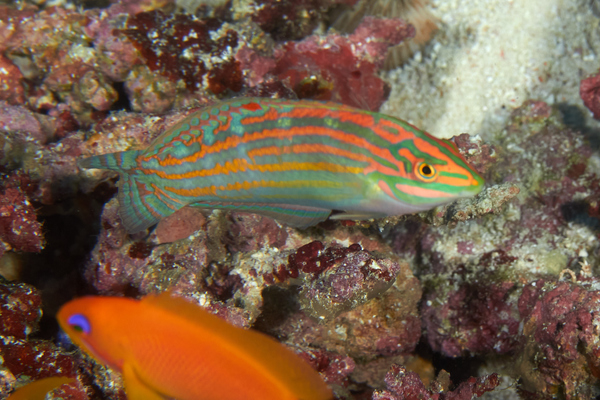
(579,212)
(459,368)
(575,118)
(89,4)
(71,229)
(122,103)
(278,304)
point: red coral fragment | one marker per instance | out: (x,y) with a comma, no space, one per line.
(474,387)
(306,258)
(342,68)
(313,258)
(12,89)
(19,227)
(177,47)
(561,317)
(288,19)
(20,310)
(335,368)
(179,225)
(140,250)
(37,360)
(589,91)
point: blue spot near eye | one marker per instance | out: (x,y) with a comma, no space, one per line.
(79,323)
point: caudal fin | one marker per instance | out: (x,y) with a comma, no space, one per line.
(120,162)
(139,207)
(135,211)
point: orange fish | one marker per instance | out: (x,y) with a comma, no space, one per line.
(39,389)
(167,347)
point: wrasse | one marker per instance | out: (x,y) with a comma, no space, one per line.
(39,389)
(166,347)
(295,161)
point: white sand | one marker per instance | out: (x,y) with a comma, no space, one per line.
(489,57)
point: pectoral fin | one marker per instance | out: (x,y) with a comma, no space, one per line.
(135,388)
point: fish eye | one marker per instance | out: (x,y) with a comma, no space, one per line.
(79,323)
(426,172)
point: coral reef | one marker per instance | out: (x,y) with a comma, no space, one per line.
(481,277)
(507,278)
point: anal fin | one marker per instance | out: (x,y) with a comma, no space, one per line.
(135,388)
(357,216)
(292,215)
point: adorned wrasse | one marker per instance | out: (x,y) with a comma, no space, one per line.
(295,161)
(39,389)
(167,347)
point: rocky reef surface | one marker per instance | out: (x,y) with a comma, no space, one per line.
(494,296)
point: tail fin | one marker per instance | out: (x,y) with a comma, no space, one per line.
(138,207)
(120,162)
(136,211)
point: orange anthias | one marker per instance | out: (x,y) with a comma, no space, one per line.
(167,347)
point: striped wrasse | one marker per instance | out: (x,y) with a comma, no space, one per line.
(295,161)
